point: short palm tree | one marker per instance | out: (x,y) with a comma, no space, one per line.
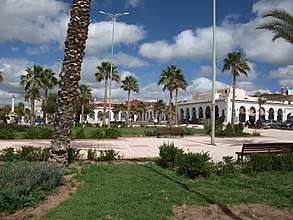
(129,84)
(116,110)
(48,81)
(140,109)
(159,108)
(32,83)
(84,98)
(75,43)
(281,26)
(104,74)
(236,65)
(260,100)
(167,79)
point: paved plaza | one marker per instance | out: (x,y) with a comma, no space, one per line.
(137,147)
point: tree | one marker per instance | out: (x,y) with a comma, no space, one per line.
(281,26)
(179,83)
(51,105)
(260,100)
(116,109)
(48,81)
(159,108)
(167,79)
(140,109)
(104,75)
(75,43)
(19,110)
(1,77)
(32,83)
(236,65)
(84,98)
(129,84)
(5,110)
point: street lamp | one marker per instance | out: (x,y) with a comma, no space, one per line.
(113,17)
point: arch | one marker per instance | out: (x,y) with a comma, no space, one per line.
(242,114)
(252,113)
(200,112)
(208,112)
(271,113)
(187,114)
(193,112)
(216,112)
(280,115)
(181,114)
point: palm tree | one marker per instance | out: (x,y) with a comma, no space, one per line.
(260,100)
(84,98)
(236,65)
(75,43)
(1,77)
(167,79)
(116,109)
(140,109)
(48,81)
(281,26)
(104,75)
(32,83)
(129,84)
(159,108)
(179,83)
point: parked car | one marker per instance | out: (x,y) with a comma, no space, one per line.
(270,123)
(287,124)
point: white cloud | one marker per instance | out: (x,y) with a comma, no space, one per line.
(203,85)
(283,75)
(132,3)
(126,60)
(263,5)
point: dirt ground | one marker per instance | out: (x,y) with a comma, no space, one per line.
(212,212)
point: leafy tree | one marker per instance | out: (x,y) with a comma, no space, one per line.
(159,108)
(19,109)
(84,97)
(5,110)
(48,81)
(75,43)
(129,84)
(51,105)
(104,74)
(179,83)
(234,63)
(167,79)
(281,25)
(32,83)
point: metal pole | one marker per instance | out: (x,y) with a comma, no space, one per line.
(111,71)
(214,76)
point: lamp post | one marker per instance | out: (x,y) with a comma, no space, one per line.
(113,17)
(214,76)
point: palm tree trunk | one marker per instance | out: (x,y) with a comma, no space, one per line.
(105,101)
(176,112)
(45,107)
(32,119)
(128,108)
(170,107)
(82,110)
(69,80)
(233,100)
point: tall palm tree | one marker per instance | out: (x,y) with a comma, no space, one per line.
(104,74)
(32,83)
(75,43)
(159,108)
(1,77)
(84,98)
(48,81)
(179,83)
(236,65)
(129,84)
(281,26)
(167,79)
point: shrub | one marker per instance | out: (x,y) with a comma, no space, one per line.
(108,155)
(238,129)
(97,134)
(80,134)
(27,153)
(188,131)
(24,184)
(73,155)
(113,133)
(268,163)
(14,127)
(195,165)
(91,155)
(227,167)
(39,132)
(170,155)
(151,133)
(7,133)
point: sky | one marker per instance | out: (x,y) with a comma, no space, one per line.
(155,34)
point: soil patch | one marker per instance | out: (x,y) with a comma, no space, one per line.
(231,212)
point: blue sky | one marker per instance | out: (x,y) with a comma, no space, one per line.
(155,34)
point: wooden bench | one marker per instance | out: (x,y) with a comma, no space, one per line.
(169,130)
(257,148)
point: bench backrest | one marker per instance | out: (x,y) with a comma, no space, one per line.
(268,147)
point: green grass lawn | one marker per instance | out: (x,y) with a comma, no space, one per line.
(149,192)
